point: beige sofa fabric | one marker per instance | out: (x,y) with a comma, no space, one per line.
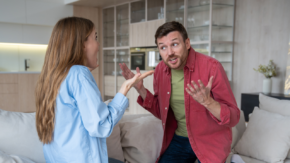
(266,137)
(141,139)
(276,106)
(251,160)
(114,144)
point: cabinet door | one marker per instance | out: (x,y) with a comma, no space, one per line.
(198,20)
(122,57)
(175,11)
(155,9)
(109,74)
(143,34)
(122,16)
(108,27)
(138,11)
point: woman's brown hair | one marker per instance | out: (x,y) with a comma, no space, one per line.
(65,49)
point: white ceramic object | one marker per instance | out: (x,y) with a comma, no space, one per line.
(267,85)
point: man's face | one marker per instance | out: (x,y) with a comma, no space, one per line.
(173,50)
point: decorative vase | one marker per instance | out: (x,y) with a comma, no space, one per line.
(267,85)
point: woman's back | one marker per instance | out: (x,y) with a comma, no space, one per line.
(82,120)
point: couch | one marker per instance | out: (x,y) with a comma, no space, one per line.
(137,138)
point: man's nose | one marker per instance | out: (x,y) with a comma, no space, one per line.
(170,51)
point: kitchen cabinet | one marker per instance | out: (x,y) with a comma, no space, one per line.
(142,34)
(137,11)
(210,26)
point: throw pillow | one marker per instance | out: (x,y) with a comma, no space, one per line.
(266,137)
(18,135)
(6,158)
(114,144)
(141,139)
(275,105)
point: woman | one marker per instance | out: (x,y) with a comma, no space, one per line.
(72,120)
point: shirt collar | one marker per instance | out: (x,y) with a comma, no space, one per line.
(190,61)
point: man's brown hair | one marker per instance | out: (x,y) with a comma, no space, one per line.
(170,27)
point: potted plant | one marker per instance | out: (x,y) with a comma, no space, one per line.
(268,71)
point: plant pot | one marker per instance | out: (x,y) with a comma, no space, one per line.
(267,85)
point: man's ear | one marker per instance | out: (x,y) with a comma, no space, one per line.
(187,43)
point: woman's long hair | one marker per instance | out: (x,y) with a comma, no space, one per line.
(65,49)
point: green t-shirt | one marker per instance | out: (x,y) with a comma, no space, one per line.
(177,101)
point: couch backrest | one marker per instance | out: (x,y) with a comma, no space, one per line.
(18,135)
(238,130)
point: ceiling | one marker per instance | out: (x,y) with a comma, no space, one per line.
(99,3)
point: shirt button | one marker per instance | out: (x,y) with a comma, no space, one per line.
(167,92)
(163,124)
(165,108)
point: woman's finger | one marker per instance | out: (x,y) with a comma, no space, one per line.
(144,75)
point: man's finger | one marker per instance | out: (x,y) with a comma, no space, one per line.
(191,88)
(196,87)
(210,82)
(201,84)
(188,91)
(137,70)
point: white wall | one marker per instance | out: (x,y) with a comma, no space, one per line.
(30,21)
(262,29)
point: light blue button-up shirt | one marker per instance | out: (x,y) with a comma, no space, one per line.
(82,120)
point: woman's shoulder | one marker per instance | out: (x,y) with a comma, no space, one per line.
(79,69)
(78,73)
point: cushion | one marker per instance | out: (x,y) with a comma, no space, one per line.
(141,139)
(114,142)
(238,130)
(266,137)
(251,160)
(18,135)
(276,106)
(6,158)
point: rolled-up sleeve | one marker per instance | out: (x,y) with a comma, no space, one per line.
(222,93)
(98,118)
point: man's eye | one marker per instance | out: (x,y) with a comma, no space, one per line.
(96,38)
(162,48)
(175,44)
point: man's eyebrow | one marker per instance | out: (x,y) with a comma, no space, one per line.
(171,40)
(96,33)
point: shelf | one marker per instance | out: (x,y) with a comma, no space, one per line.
(201,8)
(109,36)
(122,35)
(139,11)
(199,42)
(108,22)
(122,21)
(222,42)
(207,26)
(214,52)
(116,62)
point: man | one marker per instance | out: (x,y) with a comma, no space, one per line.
(193,99)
